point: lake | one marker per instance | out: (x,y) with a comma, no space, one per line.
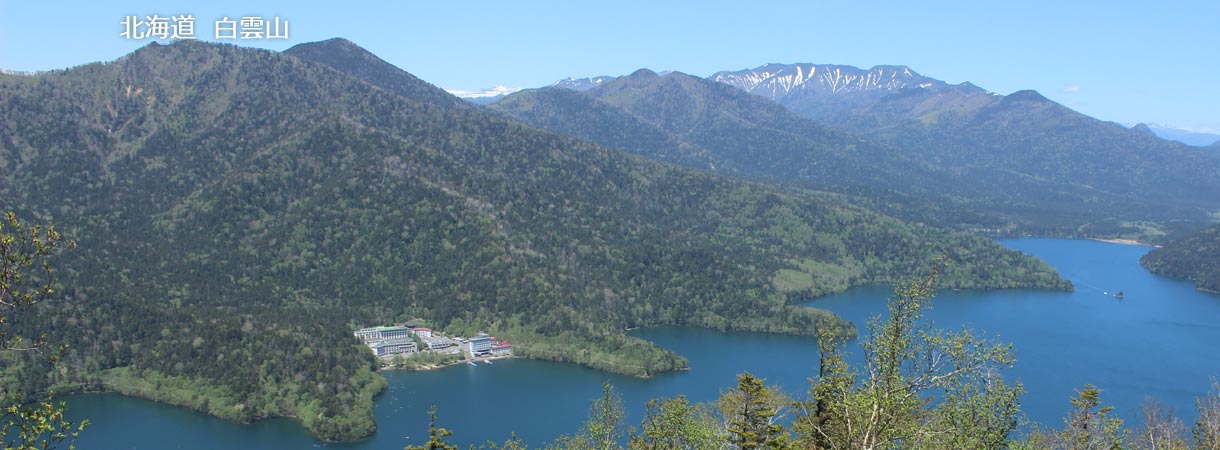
(1158,341)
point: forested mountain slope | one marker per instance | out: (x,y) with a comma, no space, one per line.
(359,63)
(239,212)
(698,123)
(1195,257)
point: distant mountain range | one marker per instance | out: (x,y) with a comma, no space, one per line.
(836,87)
(582,84)
(484,96)
(490,95)
(816,90)
(711,126)
(1187,137)
(907,144)
(1023,134)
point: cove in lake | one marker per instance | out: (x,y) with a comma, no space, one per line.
(1158,341)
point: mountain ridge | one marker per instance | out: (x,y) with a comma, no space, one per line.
(362,64)
(776,81)
(952,157)
(1024,138)
(1188,137)
(582,84)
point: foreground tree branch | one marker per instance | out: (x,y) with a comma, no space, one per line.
(27,423)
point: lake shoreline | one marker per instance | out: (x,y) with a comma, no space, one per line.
(1156,336)
(1123,241)
(430,367)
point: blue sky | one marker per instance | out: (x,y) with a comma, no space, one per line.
(1116,60)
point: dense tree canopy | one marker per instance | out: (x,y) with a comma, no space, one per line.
(1196,257)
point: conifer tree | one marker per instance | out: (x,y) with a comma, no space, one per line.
(436,435)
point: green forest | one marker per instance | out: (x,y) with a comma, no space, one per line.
(1195,257)
(238,212)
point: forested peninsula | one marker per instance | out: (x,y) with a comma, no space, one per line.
(1195,257)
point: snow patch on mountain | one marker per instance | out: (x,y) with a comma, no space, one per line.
(1198,138)
(484,93)
(779,80)
(18,72)
(583,84)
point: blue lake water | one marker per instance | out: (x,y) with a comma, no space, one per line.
(1159,341)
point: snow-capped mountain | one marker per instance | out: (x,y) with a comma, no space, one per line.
(1188,137)
(16,72)
(777,81)
(827,93)
(582,84)
(484,93)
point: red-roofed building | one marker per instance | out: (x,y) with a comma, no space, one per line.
(501,348)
